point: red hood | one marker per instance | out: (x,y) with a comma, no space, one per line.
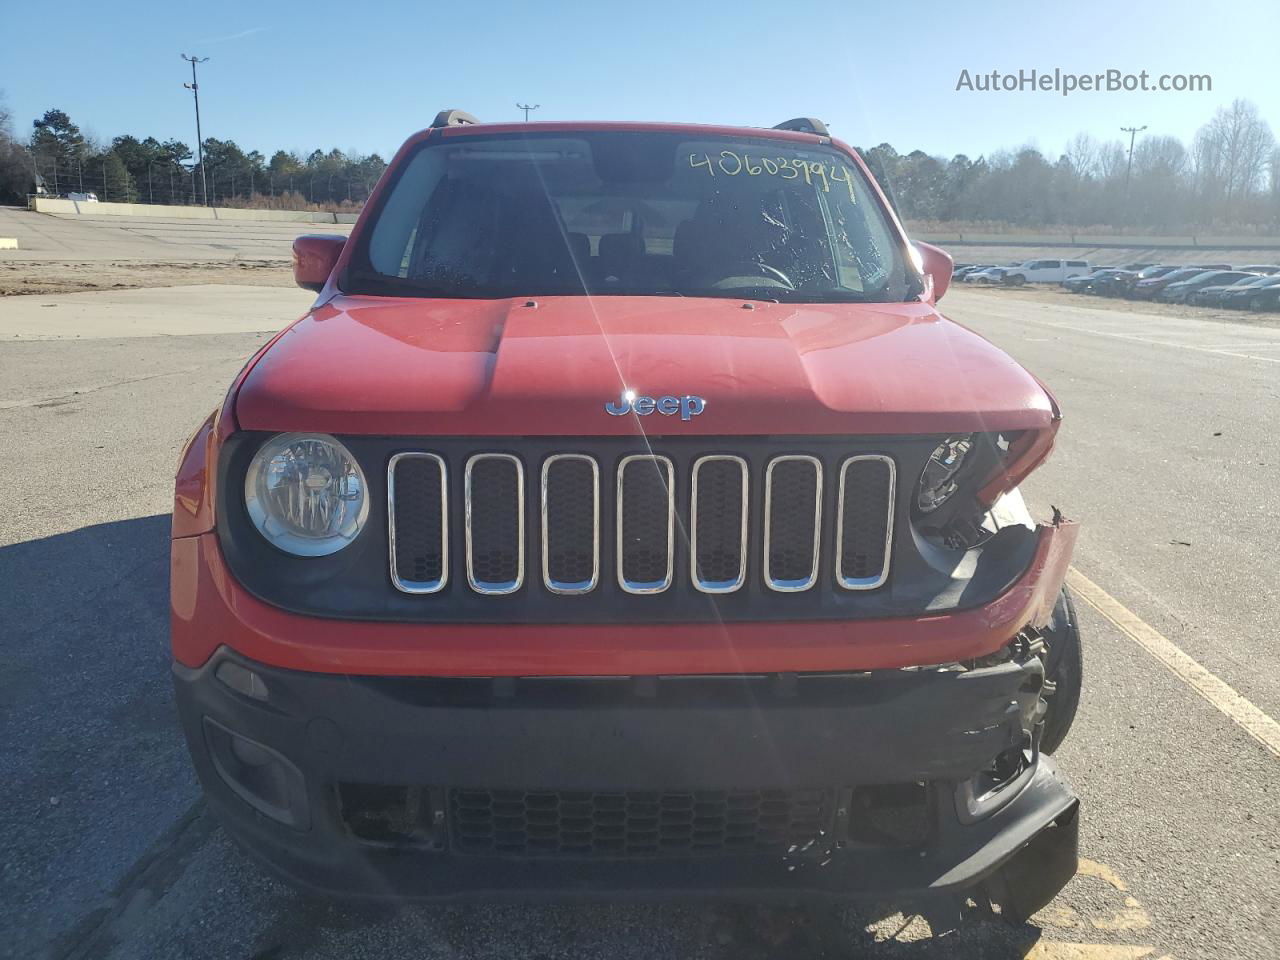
(376,365)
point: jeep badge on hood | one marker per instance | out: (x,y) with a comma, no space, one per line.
(687,406)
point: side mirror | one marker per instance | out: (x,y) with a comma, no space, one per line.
(314,257)
(936,264)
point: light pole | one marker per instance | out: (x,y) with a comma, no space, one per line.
(194,87)
(527,109)
(1128,170)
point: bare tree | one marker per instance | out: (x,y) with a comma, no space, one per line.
(1082,153)
(1230,156)
(1112,159)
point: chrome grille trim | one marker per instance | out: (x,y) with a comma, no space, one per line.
(411,586)
(495,589)
(726,586)
(865,583)
(656,586)
(570,589)
(792,586)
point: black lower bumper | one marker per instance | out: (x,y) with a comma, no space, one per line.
(298,766)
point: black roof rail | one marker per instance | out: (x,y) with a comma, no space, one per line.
(453,118)
(804,125)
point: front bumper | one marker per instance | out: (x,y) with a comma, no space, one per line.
(281,756)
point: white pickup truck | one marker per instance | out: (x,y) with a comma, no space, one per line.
(1042,271)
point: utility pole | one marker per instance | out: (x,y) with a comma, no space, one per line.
(527,109)
(195,92)
(1128,170)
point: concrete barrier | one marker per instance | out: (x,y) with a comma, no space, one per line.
(1095,241)
(59,206)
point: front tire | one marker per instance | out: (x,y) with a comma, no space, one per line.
(1064,667)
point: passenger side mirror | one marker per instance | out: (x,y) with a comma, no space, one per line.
(314,257)
(936,264)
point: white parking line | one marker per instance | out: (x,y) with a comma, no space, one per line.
(1219,693)
(1216,352)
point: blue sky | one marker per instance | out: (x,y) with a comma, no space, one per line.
(362,76)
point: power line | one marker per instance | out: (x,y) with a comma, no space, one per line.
(195,92)
(527,109)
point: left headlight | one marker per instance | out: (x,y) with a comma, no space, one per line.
(306,494)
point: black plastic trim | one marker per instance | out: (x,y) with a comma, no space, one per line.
(355,582)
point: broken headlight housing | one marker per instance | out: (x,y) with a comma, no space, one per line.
(940,478)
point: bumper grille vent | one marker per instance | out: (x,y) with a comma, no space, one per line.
(629,825)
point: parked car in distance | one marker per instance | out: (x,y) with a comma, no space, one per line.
(1251,296)
(988,274)
(1212,295)
(1123,286)
(972,268)
(1148,289)
(1081,284)
(83,197)
(1112,284)
(1179,291)
(1266,269)
(1266,298)
(1044,271)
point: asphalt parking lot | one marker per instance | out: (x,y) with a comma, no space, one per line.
(1168,456)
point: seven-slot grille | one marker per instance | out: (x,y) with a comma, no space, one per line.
(646,530)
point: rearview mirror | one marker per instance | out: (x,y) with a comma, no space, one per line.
(314,257)
(936,264)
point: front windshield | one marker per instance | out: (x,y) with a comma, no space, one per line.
(631,213)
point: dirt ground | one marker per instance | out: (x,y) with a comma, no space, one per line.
(18,277)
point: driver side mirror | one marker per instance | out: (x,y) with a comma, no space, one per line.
(314,257)
(936,264)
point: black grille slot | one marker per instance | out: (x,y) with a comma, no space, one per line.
(495,523)
(793,502)
(646,511)
(571,524)
(419,552)
(865,522)
(719,529)
(638,824)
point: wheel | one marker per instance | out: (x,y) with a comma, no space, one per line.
(1064,667)
(1016,280)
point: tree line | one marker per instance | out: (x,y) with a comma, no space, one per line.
(58,159)
(1228,177)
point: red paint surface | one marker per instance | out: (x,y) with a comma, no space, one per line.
(383,365)
(314,256)
(210,609)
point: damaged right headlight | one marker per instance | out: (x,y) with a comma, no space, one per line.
(938,481)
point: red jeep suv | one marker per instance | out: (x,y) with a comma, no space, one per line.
(624,518)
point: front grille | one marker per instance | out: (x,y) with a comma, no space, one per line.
(646,524)
(637,824)
(494,504)
(643,523)
(793,522)
(718,523)
(570,523)
(865,524)
(418,524)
